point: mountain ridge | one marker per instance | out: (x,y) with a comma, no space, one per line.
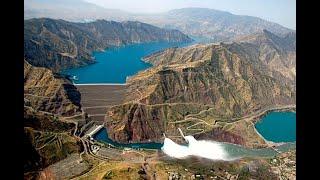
(59,44)
(202,87)
(216,25)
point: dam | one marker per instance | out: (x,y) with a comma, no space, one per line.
(93,130)
(97,98)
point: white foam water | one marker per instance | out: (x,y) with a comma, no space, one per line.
(205,149)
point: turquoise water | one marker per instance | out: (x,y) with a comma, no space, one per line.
(234,151)
(278,127)
(102,135)
(275,126)
(116,63)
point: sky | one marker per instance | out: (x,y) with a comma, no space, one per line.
(279,11)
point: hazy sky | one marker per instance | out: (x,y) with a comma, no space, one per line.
(279,11)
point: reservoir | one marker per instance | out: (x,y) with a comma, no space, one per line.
(278,126)
(115,64)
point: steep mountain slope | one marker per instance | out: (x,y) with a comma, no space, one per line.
(276,53)
(58,44)
(199,89)
(45,91)
(48,139)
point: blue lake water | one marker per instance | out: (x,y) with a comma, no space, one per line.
(117,63)
(102,136)
(234,151)
(278,127)
(275,126)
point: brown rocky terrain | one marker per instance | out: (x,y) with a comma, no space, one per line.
(276,54)
(49,92)
(281,166)
(47,139)
(203,88)
(59,44)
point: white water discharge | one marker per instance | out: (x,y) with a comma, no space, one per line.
(205,149)
(216,150)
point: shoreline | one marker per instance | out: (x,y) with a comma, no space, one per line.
(101,84)
(290,108)
(259,118)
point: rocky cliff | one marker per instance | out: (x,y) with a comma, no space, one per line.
(49,92)
(48,139)
(199,89)
(58,44)
(276,55)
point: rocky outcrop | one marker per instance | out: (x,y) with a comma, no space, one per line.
(218,134)
(216,84)
(132,122)
(46,141)
(276,55)
(49,92)
(210,74)
(58,44)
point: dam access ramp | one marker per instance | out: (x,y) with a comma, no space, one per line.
(97,98)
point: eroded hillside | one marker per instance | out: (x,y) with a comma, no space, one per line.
(47,138)
(49,92)
(200,89)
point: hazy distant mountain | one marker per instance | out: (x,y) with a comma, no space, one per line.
(70,10)
(213,24)
(58,44)
(209,23)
